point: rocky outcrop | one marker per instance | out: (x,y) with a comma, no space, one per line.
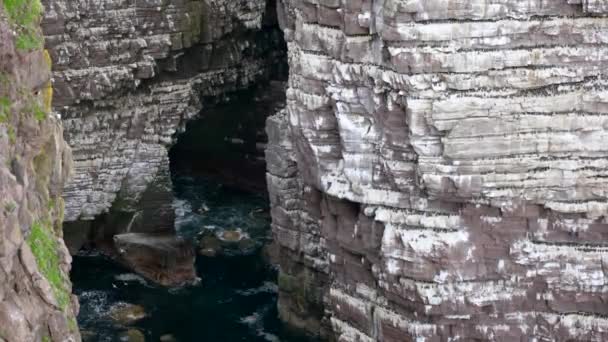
(129,74)
(439,172)
(35,292)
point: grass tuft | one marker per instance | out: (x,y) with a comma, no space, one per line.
(12,137)
(25,16)
(5,109)
(38,111)
(43,244)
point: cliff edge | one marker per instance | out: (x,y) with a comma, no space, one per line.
(36,303)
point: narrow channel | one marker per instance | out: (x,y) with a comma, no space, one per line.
(217,174)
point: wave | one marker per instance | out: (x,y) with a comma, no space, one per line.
(266,287)
(256,322)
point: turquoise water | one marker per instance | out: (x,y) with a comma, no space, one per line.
(235,300)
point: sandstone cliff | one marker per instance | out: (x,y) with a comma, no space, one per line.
(35,293)
(129,74)
(439,173)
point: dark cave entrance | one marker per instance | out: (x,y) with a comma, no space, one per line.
(227,141)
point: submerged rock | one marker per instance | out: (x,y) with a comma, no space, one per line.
(126,314)
(168,338)
(231,236)
(210,246)
(162,258)
(133,335)
(88,336)
(228,242)
(203,209)
(247,246)
(260,213)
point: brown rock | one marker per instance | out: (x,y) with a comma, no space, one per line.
(231,236)
(162,258)
(168,338)
(210,246)
(126,314)
(133,335)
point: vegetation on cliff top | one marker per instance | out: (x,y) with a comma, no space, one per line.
(25,16)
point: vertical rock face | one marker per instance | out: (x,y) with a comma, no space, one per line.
(439,172)
(128,75)
(35,292)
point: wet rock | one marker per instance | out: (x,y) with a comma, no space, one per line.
(247,246)
(127,314)
(133,335)
(210,246)
(168,338)
(231,236)
(162,258)
(228,242)
(88,336)
(203,209)
(260,213)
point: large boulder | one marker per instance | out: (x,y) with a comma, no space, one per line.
(163,258)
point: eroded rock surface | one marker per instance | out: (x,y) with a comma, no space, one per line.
(129,74)
(439,172)
(35,292)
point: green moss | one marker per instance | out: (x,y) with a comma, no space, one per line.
(47,91)
(9,207)
(12,137)
(4,79)
(46,338)
(5,109)
(28,42)
(55,208)
(43,244)
(43,168)
(24,16)
(286,282)
(51,204)
(38,112)
(72,325)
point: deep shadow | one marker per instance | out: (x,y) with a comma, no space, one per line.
(226,142)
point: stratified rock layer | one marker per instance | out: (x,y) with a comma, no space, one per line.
(439,173)
(129,74)
(35,292)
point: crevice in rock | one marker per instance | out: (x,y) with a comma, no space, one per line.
(227,140)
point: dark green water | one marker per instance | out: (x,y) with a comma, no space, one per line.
(235,300)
